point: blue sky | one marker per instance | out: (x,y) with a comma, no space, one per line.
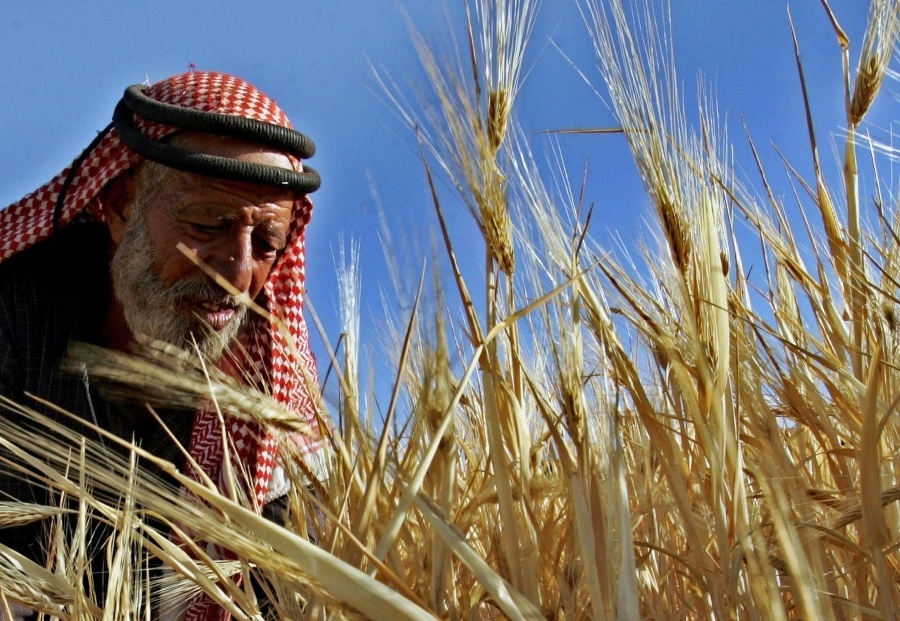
(64,65)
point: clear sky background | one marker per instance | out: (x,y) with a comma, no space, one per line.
(64,65)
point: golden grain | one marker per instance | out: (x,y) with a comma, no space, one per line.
(655,437)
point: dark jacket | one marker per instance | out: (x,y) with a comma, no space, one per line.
(51,295)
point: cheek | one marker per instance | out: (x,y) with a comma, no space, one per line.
(173,266)
(170,264)
(261,273)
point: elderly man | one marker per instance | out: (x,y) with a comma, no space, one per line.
(201,166)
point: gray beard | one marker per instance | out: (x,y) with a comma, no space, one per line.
(156,311)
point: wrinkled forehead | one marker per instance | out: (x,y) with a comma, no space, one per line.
(162,178)
(235,149)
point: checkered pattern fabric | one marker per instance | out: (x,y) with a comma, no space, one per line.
(281,359)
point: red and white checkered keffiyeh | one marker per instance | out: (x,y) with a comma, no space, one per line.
(284,366)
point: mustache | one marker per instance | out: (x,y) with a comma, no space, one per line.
(206,292)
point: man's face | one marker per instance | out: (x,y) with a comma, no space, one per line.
(237,229)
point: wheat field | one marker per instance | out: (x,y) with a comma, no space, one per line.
(565,435)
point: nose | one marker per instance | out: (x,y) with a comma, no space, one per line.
(232,258)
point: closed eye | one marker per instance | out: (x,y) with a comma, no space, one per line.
(269,245)
(209,229)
